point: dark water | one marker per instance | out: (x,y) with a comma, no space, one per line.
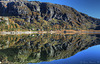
(50,49)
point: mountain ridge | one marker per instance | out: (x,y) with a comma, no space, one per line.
(44,15)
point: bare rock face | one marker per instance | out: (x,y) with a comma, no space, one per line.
(47,10)
(33,10)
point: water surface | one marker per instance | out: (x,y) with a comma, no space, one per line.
(88,56)
(50,49)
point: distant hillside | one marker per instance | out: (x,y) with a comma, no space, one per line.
(34,15)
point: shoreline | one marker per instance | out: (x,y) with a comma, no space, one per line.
(57,32)
(52,32)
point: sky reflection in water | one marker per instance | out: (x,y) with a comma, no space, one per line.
(88,56)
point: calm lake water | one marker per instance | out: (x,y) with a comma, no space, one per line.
(50,49)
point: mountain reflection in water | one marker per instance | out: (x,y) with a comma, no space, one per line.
(46,47)
(88,56)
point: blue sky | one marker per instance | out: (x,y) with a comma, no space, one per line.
(90,7)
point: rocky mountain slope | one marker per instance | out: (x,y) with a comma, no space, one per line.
(46,16)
